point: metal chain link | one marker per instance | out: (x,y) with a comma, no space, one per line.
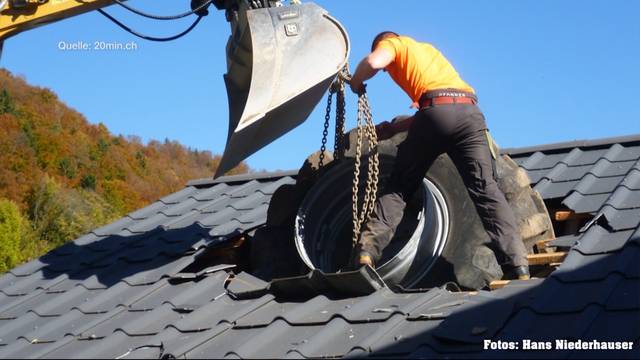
(365,129)
(339,143)
(325,132)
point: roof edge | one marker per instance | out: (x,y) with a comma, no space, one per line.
(263,175)
(242,178)
(573,144)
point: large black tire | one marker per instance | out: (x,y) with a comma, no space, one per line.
(529,208)
(467,258)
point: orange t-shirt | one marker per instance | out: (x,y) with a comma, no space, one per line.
(420,67)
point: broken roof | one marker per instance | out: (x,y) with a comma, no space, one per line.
(124,290)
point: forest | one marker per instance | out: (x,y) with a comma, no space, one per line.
(62,176)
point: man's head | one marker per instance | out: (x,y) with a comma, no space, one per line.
(383,35)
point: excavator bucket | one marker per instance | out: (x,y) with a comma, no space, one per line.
(280,62)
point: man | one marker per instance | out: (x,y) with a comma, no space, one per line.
(448,120)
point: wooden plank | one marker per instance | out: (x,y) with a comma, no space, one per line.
(498,284)
(563,215)
(541,245)
(546,258)
(566,215)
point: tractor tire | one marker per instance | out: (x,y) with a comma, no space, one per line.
(530,211)
(466,255)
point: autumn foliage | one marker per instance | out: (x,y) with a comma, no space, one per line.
(61,176)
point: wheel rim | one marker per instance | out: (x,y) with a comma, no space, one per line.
(322,218)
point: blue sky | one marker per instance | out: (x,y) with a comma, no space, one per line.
(545,71)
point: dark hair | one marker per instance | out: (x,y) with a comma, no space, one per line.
(383,35)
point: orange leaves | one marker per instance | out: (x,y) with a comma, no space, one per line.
(98,176)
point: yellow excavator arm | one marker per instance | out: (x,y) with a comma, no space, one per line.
(281,59)
(20,15)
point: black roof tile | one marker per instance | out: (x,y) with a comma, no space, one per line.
(181,344)
(627,141)
(625,297)
(179,196)
(12,330)
(28,268)
(578,267)
(23,349)
(320,310)
(591,184)
(528,324)
(624,198)
(585,203)
(114,228)
(148,211)
(583,293)
(120,294)
(120,291)
(620,219)
(615,326)
(70,323)
(553,190)
(597,240)
(211,194)
(536,176)
(241,191)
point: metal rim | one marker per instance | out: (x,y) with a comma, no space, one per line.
(434,233)
(414,259)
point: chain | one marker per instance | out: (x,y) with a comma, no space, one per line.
(356,181)
(337,87)
(325,132)
(365,129)
(340,115)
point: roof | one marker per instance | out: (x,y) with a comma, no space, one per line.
(125,290)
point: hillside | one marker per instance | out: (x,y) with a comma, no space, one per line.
(61,176)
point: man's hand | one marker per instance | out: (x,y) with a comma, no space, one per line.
(357,87)
(385,130)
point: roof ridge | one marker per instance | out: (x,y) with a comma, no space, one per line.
(242,178)
(591,143)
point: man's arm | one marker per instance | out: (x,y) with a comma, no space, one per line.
(369,67)
(386,130)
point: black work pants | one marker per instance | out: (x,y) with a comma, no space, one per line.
(459,130)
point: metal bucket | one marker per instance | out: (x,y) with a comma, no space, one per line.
(280,62)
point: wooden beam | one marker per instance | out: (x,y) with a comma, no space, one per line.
(546,258)
(498,284)
(542,245)
(563,215)
(566,215)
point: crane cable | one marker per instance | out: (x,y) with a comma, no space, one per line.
(126,28)
(195,10)
(148,37)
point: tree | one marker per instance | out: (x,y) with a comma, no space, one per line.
(88,182)
(68,176)
(45,210)
(11,223)
(6,104)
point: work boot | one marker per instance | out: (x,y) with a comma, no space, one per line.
(517,272)
(360,258)
(364,258)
